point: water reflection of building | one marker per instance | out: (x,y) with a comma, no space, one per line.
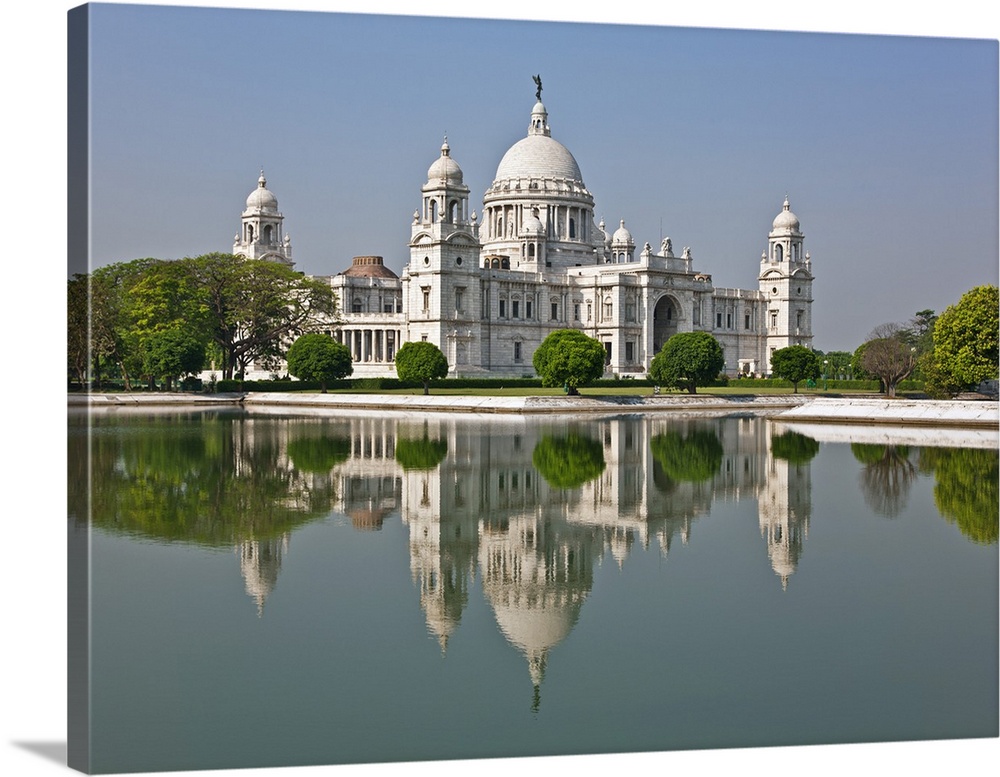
(260,563)
(477,503)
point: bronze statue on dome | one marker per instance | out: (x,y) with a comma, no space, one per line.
(538,83)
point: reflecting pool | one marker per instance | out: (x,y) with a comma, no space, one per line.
(286,590)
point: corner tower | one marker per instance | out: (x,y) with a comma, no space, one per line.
(260,236)
(786,285)
(442,296)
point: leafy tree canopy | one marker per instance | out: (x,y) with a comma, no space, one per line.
(795,363)
(966,338)
(319,357)
(568,461)
(568,357)
(688,360)
(421,361)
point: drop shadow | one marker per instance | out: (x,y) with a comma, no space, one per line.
(52,751)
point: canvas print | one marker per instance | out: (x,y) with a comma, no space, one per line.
(469,388)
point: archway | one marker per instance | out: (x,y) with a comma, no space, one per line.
(665,316)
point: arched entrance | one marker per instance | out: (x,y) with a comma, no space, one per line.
(665,316)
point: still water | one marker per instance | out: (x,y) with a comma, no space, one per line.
(286,590)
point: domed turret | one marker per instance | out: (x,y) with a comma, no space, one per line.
(261,233)
(261,198)
(445,168)
(786,219)
(622,245)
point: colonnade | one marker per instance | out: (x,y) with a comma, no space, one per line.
(370,345)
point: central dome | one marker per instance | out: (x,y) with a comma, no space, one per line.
(538,156)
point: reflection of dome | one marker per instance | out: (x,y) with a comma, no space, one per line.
(445,168)
(368,267)
(262,198)
(260,563)
(368,519)
(786,219)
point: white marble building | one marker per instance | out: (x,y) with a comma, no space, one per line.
(488,291)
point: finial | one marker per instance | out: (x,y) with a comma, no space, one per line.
(538,84)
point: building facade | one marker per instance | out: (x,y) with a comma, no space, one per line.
(488,291)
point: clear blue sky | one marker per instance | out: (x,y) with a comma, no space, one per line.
(886,146)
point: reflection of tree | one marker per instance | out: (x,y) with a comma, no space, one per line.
(320,454)
(966,489)
(568,461)
(794,448)
(694,458)
(420,452)
(886,477)
(209,479)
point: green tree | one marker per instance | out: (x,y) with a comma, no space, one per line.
(688,360)
(421,361)
(795,363)
(255,306)
(319,357)
(568,357)
(888,356)
(78,329)
(836,363)
(568,461)
(171,353)
(966,339)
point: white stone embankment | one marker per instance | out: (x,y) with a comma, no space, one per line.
(897,412)
(786,408)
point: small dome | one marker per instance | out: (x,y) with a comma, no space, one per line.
(786,219)
(368,267)
(532,225)
(262,198)
(622,235)
(445,168)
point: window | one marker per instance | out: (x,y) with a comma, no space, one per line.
(356,305)
(423,338)
(590,311)
(798,320)
(515,308)
(527,309)
(555,311)
(630,311)
(503,308)
(729,320)
(746,321)
(608,309)
(630,351)
(517,352)
(576,311)
(718,321)
(459,299)
(572,228)
(696,314)
(607,352)
(774,319)
(427,299)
